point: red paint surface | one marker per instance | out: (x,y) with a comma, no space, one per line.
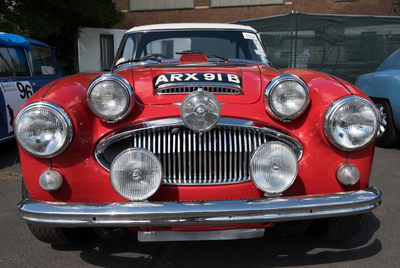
(86,181)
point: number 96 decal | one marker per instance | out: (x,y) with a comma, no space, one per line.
(15,94)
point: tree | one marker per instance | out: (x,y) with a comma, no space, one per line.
(6,19)
(57,22)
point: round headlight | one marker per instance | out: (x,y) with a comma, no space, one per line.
(287,97)
(43,129)
(273,167)
(200,111)
(136,174)
(110,97)
(351,123)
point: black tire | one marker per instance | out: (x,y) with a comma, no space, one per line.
(54,235)
(388,136)
(336,229)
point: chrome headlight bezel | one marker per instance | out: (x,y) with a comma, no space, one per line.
(335,107)
(125,85)
(60,114)
(269,91)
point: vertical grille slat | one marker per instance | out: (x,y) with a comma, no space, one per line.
(190,156)
(194,158)
(183,89)
(184,163)
(219,156)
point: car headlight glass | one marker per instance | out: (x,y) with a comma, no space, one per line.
(43,129)
(273,167)
(351,123)
(110,97)
(200,111)
(287,97)
(136,174)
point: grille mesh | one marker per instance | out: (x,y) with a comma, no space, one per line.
(189,89)
(219,156)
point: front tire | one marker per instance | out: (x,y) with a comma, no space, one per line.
(54,235)
(388,135)
(336,229)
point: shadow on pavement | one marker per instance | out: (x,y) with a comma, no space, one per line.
(275,249)
(8,154)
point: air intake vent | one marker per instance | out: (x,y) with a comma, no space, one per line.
(219,156)
(186,89)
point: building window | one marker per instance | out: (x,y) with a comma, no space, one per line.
(139,5)
(232,3)
(106,51)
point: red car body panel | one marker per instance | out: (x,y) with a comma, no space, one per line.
(85,180)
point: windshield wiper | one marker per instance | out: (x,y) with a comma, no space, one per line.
(202,52)
(146,57)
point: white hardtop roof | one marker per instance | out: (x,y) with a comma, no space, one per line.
(183,26)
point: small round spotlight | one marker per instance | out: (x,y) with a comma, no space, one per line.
(348,174)
(136,174)
(273,167)
(50,180)
(200,111)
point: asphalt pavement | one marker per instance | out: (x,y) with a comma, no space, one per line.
(377,245)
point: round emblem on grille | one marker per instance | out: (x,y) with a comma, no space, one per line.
(200,111)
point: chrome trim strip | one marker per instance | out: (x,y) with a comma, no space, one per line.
(176,122)
(192,213)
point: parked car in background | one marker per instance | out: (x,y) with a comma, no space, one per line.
(25,66)
(383,87)
(194,136)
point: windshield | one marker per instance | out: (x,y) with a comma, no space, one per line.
(168,46)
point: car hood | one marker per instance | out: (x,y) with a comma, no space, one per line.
(252,80)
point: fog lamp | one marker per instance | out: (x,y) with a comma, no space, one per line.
(200,111)
(273,167)
(348,174)
(50,180)
(136,174)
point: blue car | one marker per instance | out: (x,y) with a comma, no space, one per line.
(383,87)
(26,65)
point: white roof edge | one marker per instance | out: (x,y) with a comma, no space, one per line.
(182,26)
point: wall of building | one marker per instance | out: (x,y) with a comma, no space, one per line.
(89,47)
(204,12)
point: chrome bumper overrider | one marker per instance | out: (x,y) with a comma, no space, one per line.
(147,214)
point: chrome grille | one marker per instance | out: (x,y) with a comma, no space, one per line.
(219,156)
(184,89)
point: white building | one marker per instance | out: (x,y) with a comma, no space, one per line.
(97,48)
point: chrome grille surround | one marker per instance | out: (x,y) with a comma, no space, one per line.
(188,87)
(219,156)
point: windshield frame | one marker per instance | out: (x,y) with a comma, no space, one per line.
(170,61)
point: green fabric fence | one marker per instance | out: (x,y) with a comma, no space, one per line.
(342,45)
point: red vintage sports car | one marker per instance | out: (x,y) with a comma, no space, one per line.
(194,136)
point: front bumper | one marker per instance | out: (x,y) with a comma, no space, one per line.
(155,214)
